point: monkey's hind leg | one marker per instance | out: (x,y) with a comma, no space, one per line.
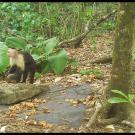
(15,76)
(11,78)
(25,75)
(31,77)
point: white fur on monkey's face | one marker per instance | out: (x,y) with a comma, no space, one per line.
(16,58)
(12,53)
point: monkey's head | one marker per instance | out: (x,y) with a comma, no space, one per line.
(12,53)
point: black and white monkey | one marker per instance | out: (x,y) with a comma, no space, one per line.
(22,64)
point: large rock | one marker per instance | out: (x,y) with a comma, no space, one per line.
(13,93)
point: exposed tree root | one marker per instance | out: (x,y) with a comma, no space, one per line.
(105,118)
(93,118)
(105,114)
(129,124)
(109,121)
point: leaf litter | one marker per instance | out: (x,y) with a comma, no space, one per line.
(10,122)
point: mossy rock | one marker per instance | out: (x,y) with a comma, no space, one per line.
(14,93)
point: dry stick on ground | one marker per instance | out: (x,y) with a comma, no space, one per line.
(87,29)
(93,118)
(103,60)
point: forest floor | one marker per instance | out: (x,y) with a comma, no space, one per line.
(84,55)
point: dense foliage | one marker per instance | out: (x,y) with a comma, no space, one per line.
(43,25)
(46,20)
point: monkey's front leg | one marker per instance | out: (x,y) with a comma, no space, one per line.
(18,74)
(12,69)
(25,74)
(31,77)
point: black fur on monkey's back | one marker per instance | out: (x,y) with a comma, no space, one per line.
(30,66)
(28,59)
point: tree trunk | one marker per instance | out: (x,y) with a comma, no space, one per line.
(121,78)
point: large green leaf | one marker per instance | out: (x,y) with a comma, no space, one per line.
(43,66)
(50,44)
(4,60)
(35,56)
(117,100)
(131,97)
(47,67)
(120,93)
(35,51)
(15,42)
(58,62)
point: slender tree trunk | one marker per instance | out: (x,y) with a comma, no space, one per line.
(121,78)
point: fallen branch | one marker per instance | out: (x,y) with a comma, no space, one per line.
(93,118)
(87,29)
(109,121)
(105,59)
